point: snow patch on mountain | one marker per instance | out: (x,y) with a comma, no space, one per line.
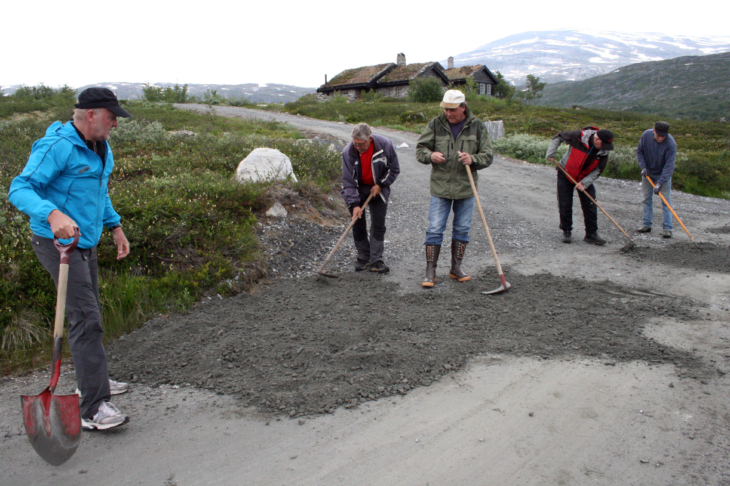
(562,55)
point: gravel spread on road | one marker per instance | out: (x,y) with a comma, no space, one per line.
(310,345)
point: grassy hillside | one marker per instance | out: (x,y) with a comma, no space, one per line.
(191,227)
(693,87)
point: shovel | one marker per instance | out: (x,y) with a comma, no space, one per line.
(53,422)
(628,245)
(672,210)
(505,284)
(339,242)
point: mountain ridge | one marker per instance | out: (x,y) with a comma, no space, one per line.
(693,87)
(574,55)
(256,92)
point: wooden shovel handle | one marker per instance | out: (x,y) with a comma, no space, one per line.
(65,251)
(65,254)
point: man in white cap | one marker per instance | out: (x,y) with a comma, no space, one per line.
(450,142)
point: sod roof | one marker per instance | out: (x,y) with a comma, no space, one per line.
(405,72)
(462,72)
(361,75)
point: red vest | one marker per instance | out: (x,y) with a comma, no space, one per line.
(578,165)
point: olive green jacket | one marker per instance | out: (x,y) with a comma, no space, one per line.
(450,180)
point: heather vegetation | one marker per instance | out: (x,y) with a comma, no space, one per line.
(703,164)
(189,224)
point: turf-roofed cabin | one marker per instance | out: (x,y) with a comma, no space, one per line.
(484,78)
(390,79)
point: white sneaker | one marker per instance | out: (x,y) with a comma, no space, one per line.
(116,387)
(106,417)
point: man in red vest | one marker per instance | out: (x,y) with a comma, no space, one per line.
(369,167)
(585,159)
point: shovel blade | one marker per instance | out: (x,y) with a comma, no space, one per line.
(328,275)
(53,425)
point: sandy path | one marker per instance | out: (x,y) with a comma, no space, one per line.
(502,419)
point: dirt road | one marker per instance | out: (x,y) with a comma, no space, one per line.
(598,367)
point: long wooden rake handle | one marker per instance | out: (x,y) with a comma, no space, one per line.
(342,238)
(593,201)
(486,227)
(670,208)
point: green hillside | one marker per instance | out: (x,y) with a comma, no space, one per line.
(694,87)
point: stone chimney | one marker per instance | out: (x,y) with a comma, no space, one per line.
(451,62)
(325,79)
(400,59)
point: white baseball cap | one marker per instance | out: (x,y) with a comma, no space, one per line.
(453,98)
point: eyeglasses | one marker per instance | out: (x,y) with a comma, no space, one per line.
(362,144)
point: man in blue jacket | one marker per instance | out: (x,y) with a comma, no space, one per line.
(63,187)
(369,166)
(657,153)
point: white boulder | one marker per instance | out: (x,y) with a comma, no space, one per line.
(265,164)
(277,211)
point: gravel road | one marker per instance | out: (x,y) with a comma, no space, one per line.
(600,366)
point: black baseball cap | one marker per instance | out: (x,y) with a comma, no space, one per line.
(661,129)
(607,138)
(101,98)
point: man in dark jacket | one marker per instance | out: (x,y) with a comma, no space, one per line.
(63,187)
(369,166)
(657,152)
(452,143)
(585,159)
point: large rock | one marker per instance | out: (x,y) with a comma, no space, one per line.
(265,164)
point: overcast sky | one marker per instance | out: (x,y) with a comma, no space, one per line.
(83,42)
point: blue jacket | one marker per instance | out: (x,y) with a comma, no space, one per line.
(657,158)
(385,169)
(63,173)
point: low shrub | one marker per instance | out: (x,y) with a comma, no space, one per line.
(425,90)
(190,225)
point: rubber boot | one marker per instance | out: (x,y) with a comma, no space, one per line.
(432,257)
(457,255)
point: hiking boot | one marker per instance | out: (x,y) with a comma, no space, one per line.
(567,237)
(667,234)
(457,255)
(361,265)
(106,417)
(595,239)
(379,267)
(432,257)
(116,388)
(644,229)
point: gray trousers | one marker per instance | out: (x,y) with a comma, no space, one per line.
(370,249)
(83,309)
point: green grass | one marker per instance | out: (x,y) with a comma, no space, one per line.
(190,225)
(703,162)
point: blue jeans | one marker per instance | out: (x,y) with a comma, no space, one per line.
(439,214)
(648,192)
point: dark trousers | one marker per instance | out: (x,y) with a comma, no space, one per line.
(370,249)
(565,205)
(83,309)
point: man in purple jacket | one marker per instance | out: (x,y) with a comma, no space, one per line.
(657,152)
(369,166)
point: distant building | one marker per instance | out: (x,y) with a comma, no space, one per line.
(484,78)
(393,79)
